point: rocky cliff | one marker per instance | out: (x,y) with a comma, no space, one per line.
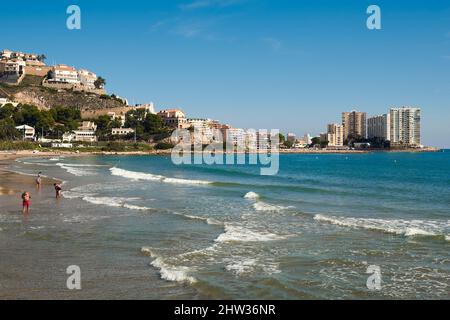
(31,92)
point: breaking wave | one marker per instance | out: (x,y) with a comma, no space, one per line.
(251,195)
(242,266)
(262,206)
(152,177)
(408,228)
(168,271)
(105,201)
(78,170)
(241,234)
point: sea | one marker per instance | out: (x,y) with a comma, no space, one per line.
(327,226)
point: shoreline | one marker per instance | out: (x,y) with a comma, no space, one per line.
(13,155)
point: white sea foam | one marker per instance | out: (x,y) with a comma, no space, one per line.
(113,202)
(152,177)
(409,228)
(167,271)
(251,195)
(210,221)
(263,206)
(106,201)
(241,234)
(241,267)
(38,164)
(76,171)
(81,165)
(133,207)
(72,194)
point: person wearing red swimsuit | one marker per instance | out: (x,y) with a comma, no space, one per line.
(25,202)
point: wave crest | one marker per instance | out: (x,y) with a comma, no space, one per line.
(241,234)
(167,271)
(153,177)
(251,195)
(408,228)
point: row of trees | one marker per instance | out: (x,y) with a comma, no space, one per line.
(53,123)
(146,125)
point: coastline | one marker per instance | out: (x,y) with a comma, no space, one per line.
(12,155)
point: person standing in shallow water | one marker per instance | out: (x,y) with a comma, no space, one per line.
(38,181)
(57,190)
(26,202)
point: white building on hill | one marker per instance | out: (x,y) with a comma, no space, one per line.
(87,78)
(121,131)
(27,132)
(63,74)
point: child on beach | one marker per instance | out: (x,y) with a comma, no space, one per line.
(58,190)
(38,180)
(25,202)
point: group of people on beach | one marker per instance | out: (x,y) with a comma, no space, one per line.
(26,197)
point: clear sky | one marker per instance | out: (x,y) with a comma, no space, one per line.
(294,65)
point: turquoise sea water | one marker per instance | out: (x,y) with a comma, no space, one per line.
(141,227)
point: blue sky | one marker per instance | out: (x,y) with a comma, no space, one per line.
(293,65)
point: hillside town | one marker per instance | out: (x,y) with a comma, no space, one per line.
(398,128)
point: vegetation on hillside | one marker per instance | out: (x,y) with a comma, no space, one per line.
(52,123)
(56,121)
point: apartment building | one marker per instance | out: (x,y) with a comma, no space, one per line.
(12,67)
(87,78)
(174,118)
(354,123)
(63,74)
(85,133)
(405,126)
(335,135)
(233,136)
(379,127)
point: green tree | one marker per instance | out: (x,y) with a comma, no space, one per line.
(315,141)
(288,144)
(153,124)
(100,83)
(7,111)
(69,117)
(103,123)
(42,57)
(44,122)
(8,130)
(134,117)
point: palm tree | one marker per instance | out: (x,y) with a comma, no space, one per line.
(41,57)
(100,83)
